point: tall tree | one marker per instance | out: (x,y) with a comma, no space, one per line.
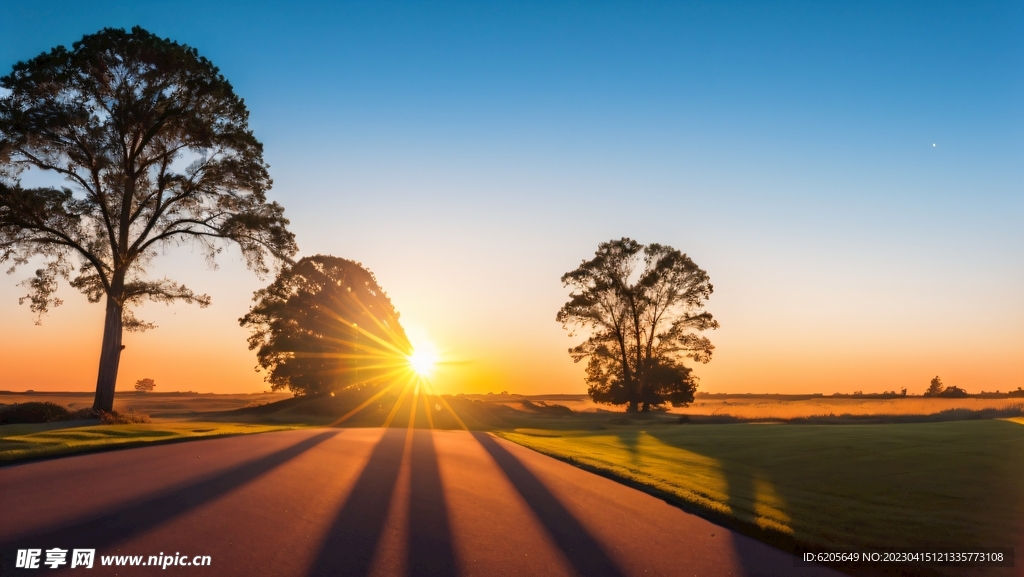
(156,151)
(642,307)
(324,325)
(935,387)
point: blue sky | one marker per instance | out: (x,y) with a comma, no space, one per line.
(850,174)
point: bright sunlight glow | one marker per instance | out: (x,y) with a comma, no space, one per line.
(422,360)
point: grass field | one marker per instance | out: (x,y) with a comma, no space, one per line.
(36,441)
(928,484)
(767,408)
(786,407)
(159,406)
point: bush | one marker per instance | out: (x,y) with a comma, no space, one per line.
(953,392)
(33,412)
(129,417)
(542,407)
(82,414)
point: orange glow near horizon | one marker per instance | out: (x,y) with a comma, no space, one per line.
(62,355)
(803,345)
(416,386)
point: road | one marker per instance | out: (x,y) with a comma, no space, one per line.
(359,502)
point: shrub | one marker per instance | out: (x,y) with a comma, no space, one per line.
(86,413)
(129,417)
(953,392)
(542,407)
(33,412)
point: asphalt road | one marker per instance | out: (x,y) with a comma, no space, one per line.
(359,502)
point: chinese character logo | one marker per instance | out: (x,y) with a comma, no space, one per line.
(28,558)
(82,558)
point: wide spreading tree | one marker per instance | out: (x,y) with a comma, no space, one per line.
(155,150)
(642,308)
(325,325)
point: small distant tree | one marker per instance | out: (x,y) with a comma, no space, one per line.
(935,388)
(953,392)
(642,307)
(145,385)
(325,325)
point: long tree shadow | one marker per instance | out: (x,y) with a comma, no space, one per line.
(745,489)
(352,540)
(577,544)
(101,531)
(430,548)
(741,496)
(749,553)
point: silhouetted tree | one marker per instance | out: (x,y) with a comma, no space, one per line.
(325,324)
(145,385)
(156,150)
(935,388)
(953,391)
(642,307)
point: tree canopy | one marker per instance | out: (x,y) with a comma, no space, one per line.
(324,325)
(155,151)
(642,308)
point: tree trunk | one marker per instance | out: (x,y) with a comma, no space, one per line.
(110,355)
(646,407)
(633,407)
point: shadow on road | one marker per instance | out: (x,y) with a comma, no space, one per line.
(354,537)
(352,540)
(103,531)
(577,544)
(430,546)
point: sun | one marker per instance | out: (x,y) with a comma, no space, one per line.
(422,361)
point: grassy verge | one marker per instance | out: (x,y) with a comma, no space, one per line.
(898,485)
(20,443)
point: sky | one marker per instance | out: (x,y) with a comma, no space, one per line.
(850,175)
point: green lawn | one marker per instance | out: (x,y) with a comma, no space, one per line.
(29,442)
(930,484)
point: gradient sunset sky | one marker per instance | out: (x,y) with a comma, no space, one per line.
(851,176)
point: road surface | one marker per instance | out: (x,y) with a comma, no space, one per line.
(358,502)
